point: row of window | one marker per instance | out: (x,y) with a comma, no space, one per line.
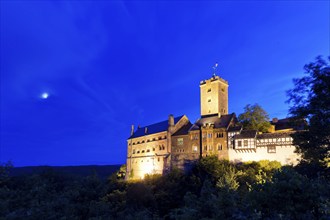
(210,148)
(276,139)
(149,140)
(209,135)
(161,147)
(136,161)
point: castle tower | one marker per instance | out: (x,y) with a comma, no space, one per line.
(214,96)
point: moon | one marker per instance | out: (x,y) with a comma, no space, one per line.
(44,95)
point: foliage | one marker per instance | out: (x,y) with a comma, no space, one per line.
(254,118)
(310,99)
(215,189)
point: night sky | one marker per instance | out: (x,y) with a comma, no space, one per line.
(75,75)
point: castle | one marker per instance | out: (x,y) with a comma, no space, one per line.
(155,148)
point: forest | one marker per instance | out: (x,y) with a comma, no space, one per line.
(214,189)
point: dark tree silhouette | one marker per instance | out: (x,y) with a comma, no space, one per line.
(310,99)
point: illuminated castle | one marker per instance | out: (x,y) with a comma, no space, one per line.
(155,148)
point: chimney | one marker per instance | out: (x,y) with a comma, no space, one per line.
(170,120)
(146,130)
(132,130)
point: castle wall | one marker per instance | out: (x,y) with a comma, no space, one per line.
(214,142)
(146,155)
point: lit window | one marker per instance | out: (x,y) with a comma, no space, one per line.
(271,149)
(180,141)
(245,143)
(194,148)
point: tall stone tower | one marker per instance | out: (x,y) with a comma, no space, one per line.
(214,96)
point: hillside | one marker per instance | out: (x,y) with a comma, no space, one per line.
(103,171)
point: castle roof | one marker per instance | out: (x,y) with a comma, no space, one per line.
(246,134)
(287,123)
(184,130)
(274,135)
(217,122)
(153,128)
(235,128)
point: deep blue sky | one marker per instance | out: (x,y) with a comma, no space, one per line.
(107,65)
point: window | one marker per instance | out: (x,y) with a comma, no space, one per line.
(246,143)
(138,152)
(239,143)
(209,90)
(220,135)
(153,139)
(194,137)
(209,135)
(158,159)
(194,148)
(205,148)
(142,151)
(142,142)
(209,100)
(222,89)
(204,136)
(153,149)
(210,148)
(219,147)
(271,149)
(148,150)
(180,141)
(133,151)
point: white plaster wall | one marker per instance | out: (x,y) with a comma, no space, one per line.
(284,154)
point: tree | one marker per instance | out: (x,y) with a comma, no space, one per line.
(255,118)
(310,99)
